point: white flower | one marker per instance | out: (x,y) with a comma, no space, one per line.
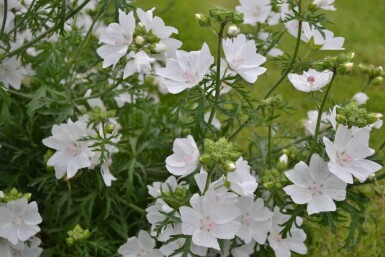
(294,240)
(208,221)
(140,63)
(255,220)
(30,249)
(311,80)
(19,220)
(159,29)
(326,42)
(158,187)
(242,57)
(274,52)
(325,4)
(241,181)
(245,250)
(155,215)
(185,158)
(11,73)
(254,11)
(142,246)
(315,186)
(360,98)
(187,70)
(347,155)
(168,249)
(116,39)
(311,122)
(72,153)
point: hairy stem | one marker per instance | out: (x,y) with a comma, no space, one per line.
(218,78)
(319,117)
(44,34)
(275,86)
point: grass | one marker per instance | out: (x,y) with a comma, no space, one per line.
(362,25)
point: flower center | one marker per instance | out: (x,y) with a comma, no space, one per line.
(74,149)
(125,40)
(310,80)
(187,158)
(18,221)
(246,220)
(207,224)
(190,77)
(256,11)
(143,253)
(343,157)
(315,188)
(237,61)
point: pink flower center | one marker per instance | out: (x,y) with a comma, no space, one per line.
(237,61)
(18,221)
(207,224)
(143,253)
(256,11)
(310,80)
(246,220)
(187,158)
(190,77)
(315,188)
(343,157)
(278,237)
(123,41)
(74,149)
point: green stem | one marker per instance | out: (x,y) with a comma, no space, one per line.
(136,208)
(366,85)
(209,176)
(98,94)
(218,78)
(314,100)
(44,34)
(269,147)
(294,55)
(317,128)
(4,18)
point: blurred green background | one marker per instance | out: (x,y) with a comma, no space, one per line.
(362,23)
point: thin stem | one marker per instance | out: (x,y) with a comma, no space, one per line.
(98,94)
(209,175)
(4,18)
(269,147)
(314,100)
(382,146)
(85,40)
(23,19)
(294,54)
(317,128)
(136,208)
(218,78)
(366,85)
(44,34)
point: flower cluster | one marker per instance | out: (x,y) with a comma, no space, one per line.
(19,222)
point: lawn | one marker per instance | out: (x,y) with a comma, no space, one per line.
(362,25)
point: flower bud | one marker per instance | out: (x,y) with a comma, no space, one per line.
(341,119)
(139,40)
(374,117)
(363,68)
(229,166)
(110,128)
(203,20)
(283,161)
(377,81)
(160,47)
(312,7)
(346,68)
(233,31)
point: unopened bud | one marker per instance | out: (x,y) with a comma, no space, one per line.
(233,31)
(160,47)
(230,166)
(374,117)
(377,81)
(139,40)
(341,119)
(312,7)
(110,128)
(203,20)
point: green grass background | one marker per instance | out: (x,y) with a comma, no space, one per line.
(362,23)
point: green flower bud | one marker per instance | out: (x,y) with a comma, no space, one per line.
(229,166)
(346,68)
(319,65)
(70,241)
(341,119)
(363,68)
(377,81)
(203,20)
(374,117)
(110,128)
(152,39)
(312,7)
